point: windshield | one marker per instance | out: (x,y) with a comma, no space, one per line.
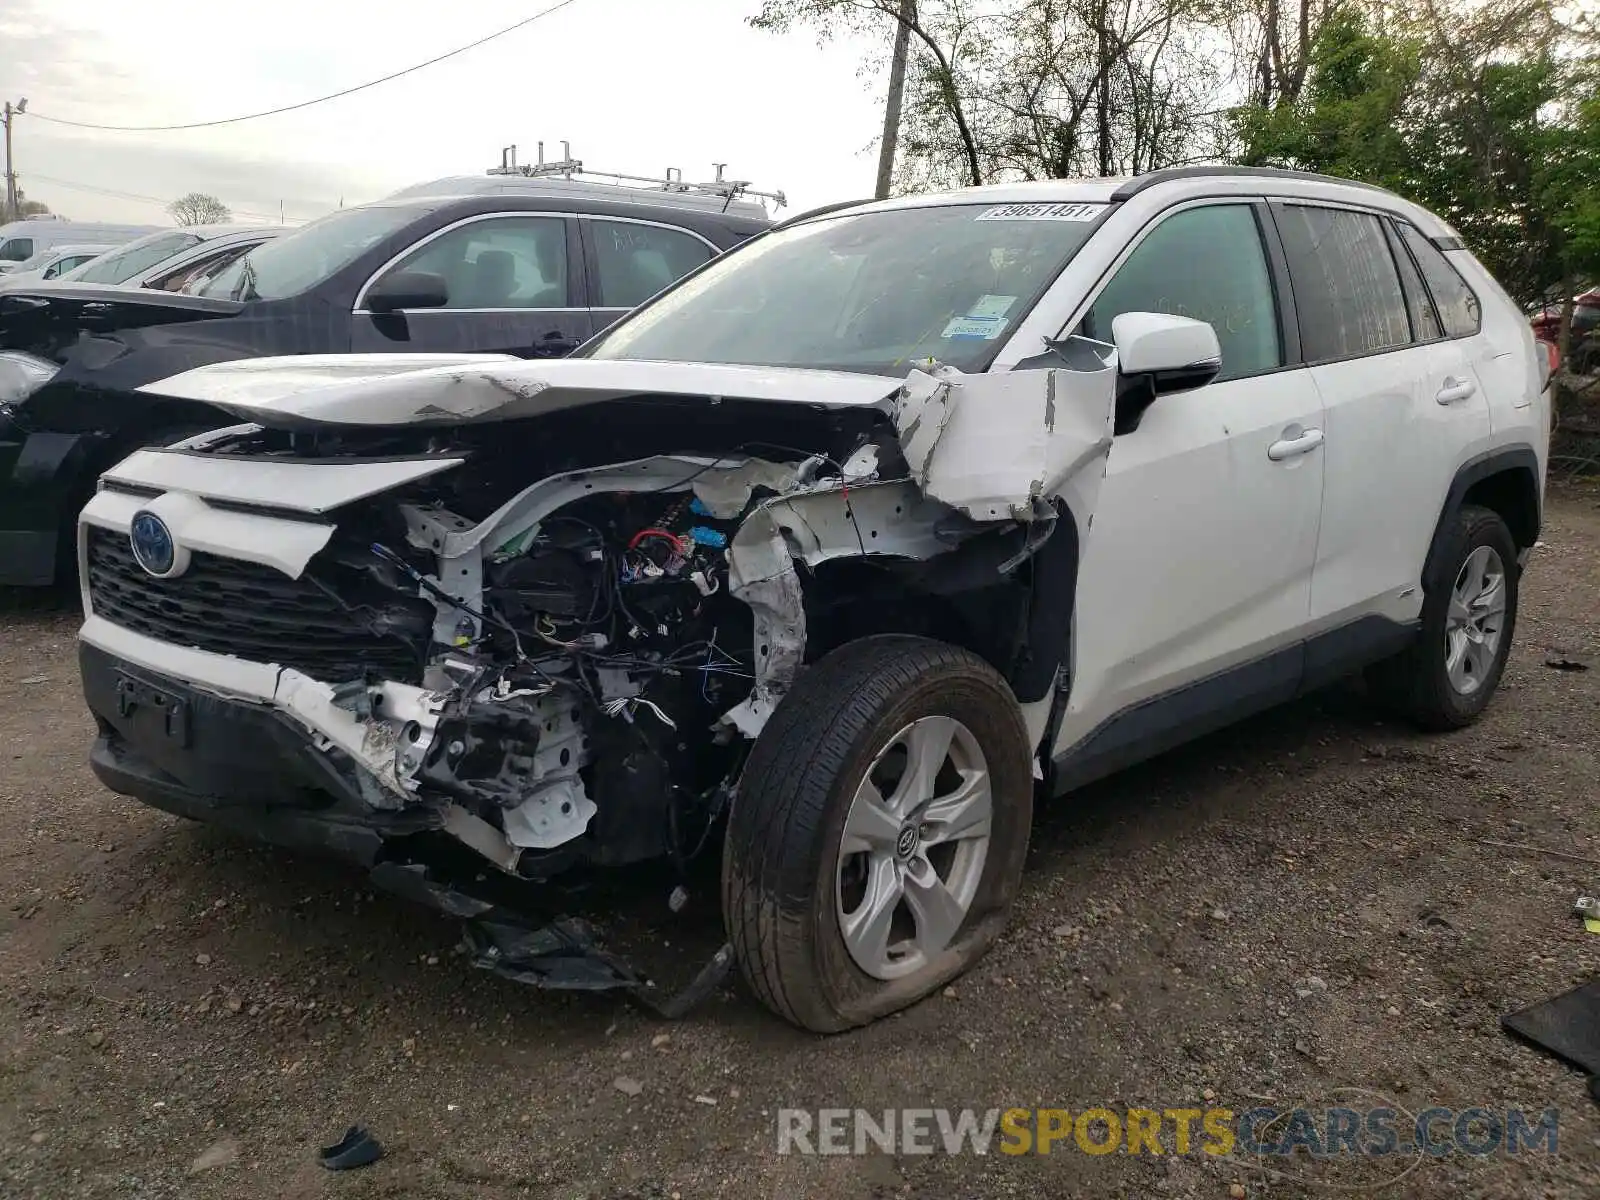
(287,266)
(119,266)
(873,292)
(37,263)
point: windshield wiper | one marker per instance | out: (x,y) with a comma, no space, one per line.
(246,289)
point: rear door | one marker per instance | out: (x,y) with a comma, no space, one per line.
(515,286)
(1402,401)
(632,260)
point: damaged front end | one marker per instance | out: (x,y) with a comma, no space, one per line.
(492,647)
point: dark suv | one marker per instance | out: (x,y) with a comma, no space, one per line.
(525,267)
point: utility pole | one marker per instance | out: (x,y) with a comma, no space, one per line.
(897,85)
(10,114)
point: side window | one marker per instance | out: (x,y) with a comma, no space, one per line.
(1425,323)
(635,262)
(505,262)
(1346,285)
(1208,264)
(1458,306)
(16,250)
(181,278)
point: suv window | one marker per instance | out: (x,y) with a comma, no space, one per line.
(122,265)
(16,250)
(1458,306)
(180,279)
(503,262)
(634,261)
(1425,323)
(71,262)
(1207,264)
(1346,285)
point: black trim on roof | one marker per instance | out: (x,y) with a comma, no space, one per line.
(1447,243)
(821,211)
(1150,179)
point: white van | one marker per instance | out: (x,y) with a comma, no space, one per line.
(21,240)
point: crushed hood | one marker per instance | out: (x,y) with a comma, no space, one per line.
(373,390)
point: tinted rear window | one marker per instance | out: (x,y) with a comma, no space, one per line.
(1346,286)
(1457,305)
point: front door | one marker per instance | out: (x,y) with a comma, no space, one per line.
(1197,567)
(513,283)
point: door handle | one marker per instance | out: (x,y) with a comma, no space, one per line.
(1294,446)
(1455,390)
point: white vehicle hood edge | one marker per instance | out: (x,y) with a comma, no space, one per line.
(377,390)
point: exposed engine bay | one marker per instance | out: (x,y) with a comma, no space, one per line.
(554,643)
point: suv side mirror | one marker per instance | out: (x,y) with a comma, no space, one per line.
(1157,354)
(407,289)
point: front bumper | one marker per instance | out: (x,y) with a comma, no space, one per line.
(241,765)
(41,477)
(250,768)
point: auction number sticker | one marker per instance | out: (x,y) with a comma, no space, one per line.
(1042,212)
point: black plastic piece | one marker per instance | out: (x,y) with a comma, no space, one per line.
(357,1148)
(1150,179)
(562,955)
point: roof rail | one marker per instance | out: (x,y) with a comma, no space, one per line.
(1165,174)
(567,167)
(820,211)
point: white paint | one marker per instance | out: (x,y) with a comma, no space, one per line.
(305,487)
(258,381)
(991,445)
(288,392)
(1201,549)
(284,545)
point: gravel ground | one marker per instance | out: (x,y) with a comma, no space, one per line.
(1304,905)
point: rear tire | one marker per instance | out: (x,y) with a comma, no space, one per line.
(1446,678)
(832,817)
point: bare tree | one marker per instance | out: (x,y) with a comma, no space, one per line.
(1034,89)
(197,208)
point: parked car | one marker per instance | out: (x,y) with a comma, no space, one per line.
(533,271)
(1584,347)
(868,530)
(21,240)
(131,263)
(51,264)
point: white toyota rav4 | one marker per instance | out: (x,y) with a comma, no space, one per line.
(833,557)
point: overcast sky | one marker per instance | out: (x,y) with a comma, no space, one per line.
(635,85)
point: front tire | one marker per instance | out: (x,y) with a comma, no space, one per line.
(879,833)
(1445,680)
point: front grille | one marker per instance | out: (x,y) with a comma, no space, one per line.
(243,609)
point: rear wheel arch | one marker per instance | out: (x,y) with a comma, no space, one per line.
(1505,481)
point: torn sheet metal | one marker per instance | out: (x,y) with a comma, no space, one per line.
(890,518)
(989,445)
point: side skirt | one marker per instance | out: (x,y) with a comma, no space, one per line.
(1163,722)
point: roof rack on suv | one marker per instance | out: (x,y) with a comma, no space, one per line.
(567,167)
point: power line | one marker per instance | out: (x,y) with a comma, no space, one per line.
(272,112)
(100,191)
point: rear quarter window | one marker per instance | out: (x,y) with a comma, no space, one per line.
(1456,302)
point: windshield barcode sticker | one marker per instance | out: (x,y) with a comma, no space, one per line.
(987,328)
(1042,212)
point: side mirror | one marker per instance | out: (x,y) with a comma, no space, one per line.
(407,289)
(1158,354)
